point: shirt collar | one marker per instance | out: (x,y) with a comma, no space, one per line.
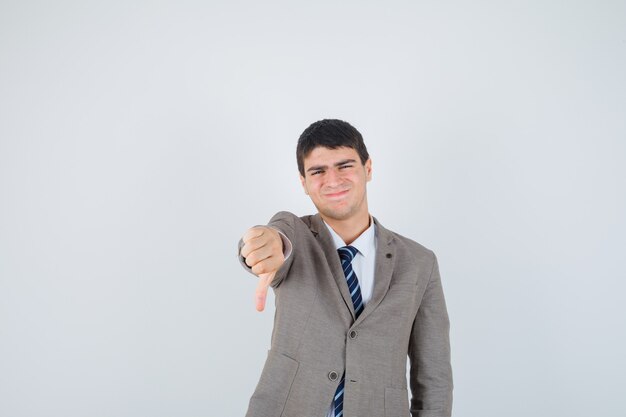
(365,243)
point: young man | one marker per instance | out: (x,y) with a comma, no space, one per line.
(353,299)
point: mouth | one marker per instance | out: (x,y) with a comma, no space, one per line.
(336,195)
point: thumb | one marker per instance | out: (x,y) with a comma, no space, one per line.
(261,289)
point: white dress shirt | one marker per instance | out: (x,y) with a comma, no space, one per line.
(363,262)
(363,265)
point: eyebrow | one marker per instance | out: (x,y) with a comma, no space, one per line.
(318,167)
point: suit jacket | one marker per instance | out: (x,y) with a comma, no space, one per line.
(316,337)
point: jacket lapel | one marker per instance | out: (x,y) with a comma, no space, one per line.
(385,257)
(385,261)
(332,257)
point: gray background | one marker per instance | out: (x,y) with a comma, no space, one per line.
(138,141)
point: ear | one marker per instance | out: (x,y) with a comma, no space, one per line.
(368,169)
(303,182)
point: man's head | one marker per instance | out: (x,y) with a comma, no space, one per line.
(332,134)
(334,168)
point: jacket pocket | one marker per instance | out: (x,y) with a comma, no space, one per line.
(396,402)
(273,388)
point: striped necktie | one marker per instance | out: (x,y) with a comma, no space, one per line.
(347,254)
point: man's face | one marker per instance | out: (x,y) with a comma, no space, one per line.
(335,180)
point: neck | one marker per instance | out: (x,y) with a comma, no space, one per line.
(349,229)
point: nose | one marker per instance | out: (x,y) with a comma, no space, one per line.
(332,178)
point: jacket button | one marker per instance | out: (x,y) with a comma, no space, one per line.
(332,375)
(353,334)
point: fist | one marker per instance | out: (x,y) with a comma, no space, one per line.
(263,251)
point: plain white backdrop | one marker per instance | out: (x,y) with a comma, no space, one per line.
(139,140)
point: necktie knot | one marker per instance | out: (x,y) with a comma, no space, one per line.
(347,253)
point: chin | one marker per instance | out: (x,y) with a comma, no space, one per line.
(336,214)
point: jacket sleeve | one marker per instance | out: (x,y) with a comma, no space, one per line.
(429,353)
(283,222)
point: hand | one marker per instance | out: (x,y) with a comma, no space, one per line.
(263,251)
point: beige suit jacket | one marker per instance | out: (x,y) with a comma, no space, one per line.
(316,337)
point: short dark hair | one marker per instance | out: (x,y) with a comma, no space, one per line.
(332,134)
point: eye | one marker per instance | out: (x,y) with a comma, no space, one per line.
(315,172)
(345,166)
